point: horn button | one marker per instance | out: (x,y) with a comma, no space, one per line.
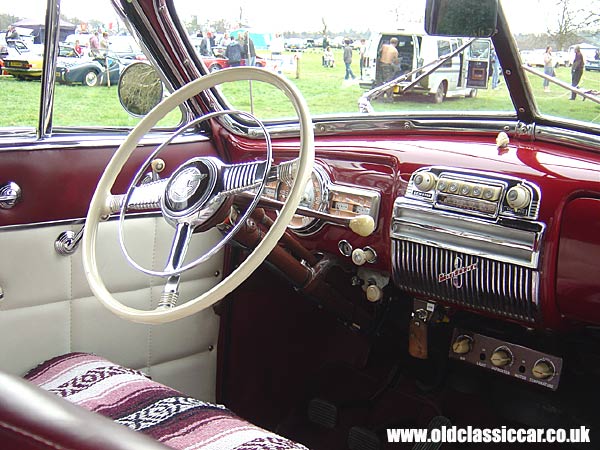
(190,189)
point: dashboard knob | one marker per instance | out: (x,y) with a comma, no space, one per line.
(501,357)
(362,225)
(374,293)
(462,344)
(543,369)
(425,181)
(361,256)
(518,197)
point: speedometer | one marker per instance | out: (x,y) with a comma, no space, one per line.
(314,197)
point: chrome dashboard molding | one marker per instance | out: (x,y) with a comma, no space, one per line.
(422,225)
(564,136)
(349,124)
(71,222)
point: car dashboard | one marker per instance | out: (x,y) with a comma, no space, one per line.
(468,227)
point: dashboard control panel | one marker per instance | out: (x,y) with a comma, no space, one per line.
(475,193)
(322,195)
(506,358)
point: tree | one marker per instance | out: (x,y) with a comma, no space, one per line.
(7,19)
(573,17)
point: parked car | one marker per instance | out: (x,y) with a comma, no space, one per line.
(535,58)
(89,71)
(21,59)
(295,44)
(265,266)
(592,64)
(26,66)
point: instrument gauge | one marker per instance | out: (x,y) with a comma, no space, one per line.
(313,197)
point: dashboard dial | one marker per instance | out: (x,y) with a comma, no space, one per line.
(314,197)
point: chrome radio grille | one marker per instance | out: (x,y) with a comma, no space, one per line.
(454,277)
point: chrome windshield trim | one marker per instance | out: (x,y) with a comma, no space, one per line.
(555,135)
(44,127)
(360,123)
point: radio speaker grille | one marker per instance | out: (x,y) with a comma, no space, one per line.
(474,282)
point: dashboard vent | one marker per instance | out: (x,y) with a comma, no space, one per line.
(475,282)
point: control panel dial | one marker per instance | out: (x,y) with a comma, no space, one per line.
(543,369)
(501,357)
(462,344)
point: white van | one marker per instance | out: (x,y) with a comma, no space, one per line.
(460,75)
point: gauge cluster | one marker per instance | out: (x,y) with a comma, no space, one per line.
(325,198)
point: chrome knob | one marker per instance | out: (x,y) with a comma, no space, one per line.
(425,181)
(518,197)
(10,195)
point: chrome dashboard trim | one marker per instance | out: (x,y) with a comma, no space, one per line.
(71,222)
(416,223)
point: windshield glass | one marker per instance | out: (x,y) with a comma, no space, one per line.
(336,56)
(377,61)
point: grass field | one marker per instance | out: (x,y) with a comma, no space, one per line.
(324,88)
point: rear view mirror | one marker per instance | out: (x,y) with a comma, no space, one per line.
(140,89)
(467,18)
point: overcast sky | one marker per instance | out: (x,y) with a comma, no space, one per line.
(279,15)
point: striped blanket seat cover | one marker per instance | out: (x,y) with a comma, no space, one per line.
(130,398)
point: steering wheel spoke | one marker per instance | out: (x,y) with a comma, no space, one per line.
(242,177)
(179,247)
(144,197)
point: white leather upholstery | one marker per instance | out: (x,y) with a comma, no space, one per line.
(49,310)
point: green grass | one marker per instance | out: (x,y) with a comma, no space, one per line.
(324,88)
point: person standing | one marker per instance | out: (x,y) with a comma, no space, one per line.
(348,60)
(388,61)
(249,50)
(205,46)
(104,44)
(495,70)
(363,56)
(576,71)
(234,52)
(94,45)
(548,67)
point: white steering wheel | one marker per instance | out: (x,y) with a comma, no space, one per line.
(103,197)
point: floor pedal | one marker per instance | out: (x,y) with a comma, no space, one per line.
(436,423)
(322,412)
(363,439)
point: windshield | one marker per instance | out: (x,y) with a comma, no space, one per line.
(336,56)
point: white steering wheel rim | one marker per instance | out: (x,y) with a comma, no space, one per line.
(271,238)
